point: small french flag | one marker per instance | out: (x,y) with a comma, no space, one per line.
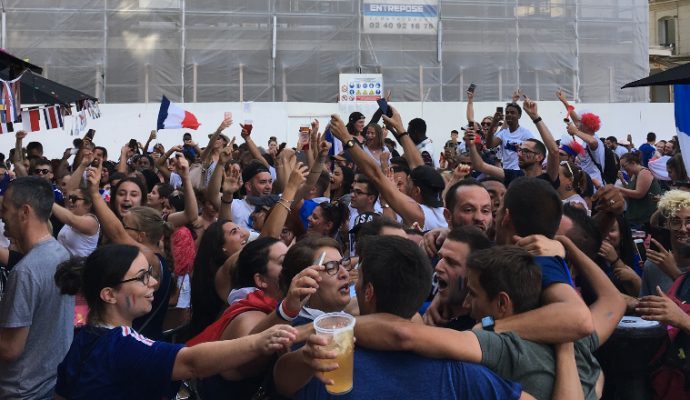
(30,120)
(171,116)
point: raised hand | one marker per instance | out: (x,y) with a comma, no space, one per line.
(226,123)
(338,128)
(561,96)
(530,108)
(93,176)
(225,155)
(609,199)
(661,308)
(87,157)
(181,165)
(298,175)
(517,94)
(303,285)
(394,123)
(232,180)
(20,135)
(663,258)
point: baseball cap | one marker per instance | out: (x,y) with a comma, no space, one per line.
(431,184)
(252,169)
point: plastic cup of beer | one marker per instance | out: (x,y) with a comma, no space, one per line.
(339,327)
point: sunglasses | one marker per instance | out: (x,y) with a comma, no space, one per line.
(143,278)
(42,171)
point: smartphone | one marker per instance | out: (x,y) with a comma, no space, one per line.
(90,134)
(227,115)
(661,235)
(471,88)
(383,106)
(499,110)
(133,144)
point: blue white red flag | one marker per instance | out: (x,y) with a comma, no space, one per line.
(9,101)
(681,94)
(171,116)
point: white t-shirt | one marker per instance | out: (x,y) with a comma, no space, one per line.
(433,218)
(510,142)
(428,146)
(586,162)
(620,150)
(241,210)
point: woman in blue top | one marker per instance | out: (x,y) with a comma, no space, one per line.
(110,360)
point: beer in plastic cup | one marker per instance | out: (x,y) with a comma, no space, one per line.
(248,125)
(340,327)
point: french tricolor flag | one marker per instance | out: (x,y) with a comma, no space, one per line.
(171,116)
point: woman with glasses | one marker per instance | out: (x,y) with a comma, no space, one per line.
(110,359)
(144,228)
(665,265)
(252,306)
(641,193)
(333,282)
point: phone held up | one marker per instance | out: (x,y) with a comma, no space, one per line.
(383,106)
(471,88)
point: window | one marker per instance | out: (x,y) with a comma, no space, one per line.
(667,32)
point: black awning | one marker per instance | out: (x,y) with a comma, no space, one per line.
(675,75)
(8,62)
(36,89)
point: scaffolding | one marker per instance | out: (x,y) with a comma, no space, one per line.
(293,50)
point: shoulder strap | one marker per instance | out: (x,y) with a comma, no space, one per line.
(594,161)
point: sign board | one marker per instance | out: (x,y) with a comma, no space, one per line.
(417,17)
(360,87)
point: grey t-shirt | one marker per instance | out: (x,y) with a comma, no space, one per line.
(33,300)
(652,275)
(533,365)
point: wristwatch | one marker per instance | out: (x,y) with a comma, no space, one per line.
(488,323)
(350,144)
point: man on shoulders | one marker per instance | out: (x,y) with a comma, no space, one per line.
(510,139)
(35,319)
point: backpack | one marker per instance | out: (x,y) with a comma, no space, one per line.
(611,164)
(670,377)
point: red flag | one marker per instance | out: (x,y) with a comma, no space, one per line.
(30,120)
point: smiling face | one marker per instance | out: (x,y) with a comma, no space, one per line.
(134,298)
(234,238)
(679,236)
(76,203)
(128,195)
(450,270)
(318,223)
(337,178)
(512,116)
(154,200)
(334,290)
(276,255)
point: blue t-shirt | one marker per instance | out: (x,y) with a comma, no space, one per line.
(647,151)
(117,363)
(553,270)
(402,375)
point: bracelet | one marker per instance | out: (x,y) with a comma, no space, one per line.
(399,136)
(536,120)
(282,313)
(615,261)
(225,202)
(284,205)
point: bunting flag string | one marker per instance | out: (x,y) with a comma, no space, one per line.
(10,103)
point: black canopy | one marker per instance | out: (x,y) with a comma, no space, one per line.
(13,66)
(35,89)
(675,75)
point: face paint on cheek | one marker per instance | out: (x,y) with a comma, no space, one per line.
(134,300)
(128,303)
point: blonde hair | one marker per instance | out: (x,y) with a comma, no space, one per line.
(672,201)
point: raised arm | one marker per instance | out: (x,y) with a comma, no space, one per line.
(232,180)
(491,140)
(478,164)
(191,208)
(124,156)
(592,142)
(162,160)
(19,169)
(569,109)
(152,137)
(609,307)
(276,219)
(553,161)
(75,181)
(85,224)
(206,154)
(402,204)
(395,126)
(214,184)
(469,112)
(251,146)
(320,157)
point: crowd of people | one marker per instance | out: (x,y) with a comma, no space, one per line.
(505,266)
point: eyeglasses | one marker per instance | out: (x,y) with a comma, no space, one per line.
(143,278)
(676,223)
(525,151)
(358,192)
(42,171)
(74,198)
(486,123)
(332,267)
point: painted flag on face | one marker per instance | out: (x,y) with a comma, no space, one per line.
(171,116)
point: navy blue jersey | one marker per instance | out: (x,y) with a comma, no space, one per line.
(117,363)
